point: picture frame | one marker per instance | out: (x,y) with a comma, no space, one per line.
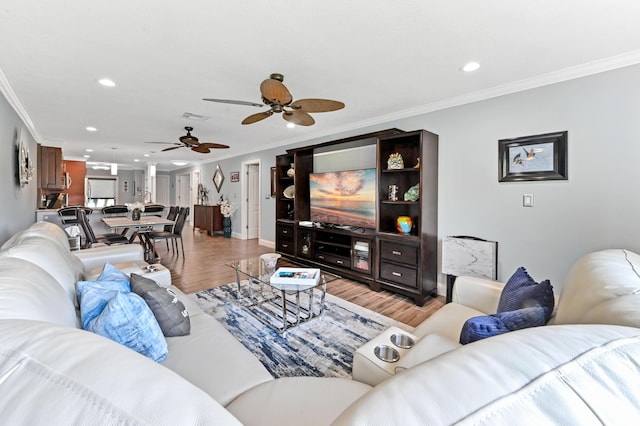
(273,181)
(235,176)
(218,178)
(533,158)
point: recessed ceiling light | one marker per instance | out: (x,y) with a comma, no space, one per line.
(106,82)
(470,66)
(86,156)
(179,163)
(291,125)
(136,160)
(91,129)
(147,155)
(89,150)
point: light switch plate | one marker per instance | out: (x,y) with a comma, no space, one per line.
(527,200)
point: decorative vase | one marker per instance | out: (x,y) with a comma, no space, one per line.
(135,214)
(404,224)
(292,171)
(226,223)
(413,193)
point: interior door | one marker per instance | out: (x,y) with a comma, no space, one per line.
(253,201)
(162,190)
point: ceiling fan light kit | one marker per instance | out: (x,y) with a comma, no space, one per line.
(276,95)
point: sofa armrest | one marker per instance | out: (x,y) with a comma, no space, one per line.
(478,293)
(95,257)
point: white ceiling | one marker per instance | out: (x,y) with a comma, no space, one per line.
(383,59)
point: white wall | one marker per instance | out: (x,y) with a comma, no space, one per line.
(18,204)
(596,208)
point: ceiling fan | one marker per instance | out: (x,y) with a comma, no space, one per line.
(277,97)
(190,141)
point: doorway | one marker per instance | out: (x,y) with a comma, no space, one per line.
(251,200)
(162,189)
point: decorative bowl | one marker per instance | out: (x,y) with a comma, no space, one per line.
(289,191)
(404,224)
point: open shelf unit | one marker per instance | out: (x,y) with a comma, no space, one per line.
(382,257)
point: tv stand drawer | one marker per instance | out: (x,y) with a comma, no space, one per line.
(330,259)
(398,252)
(399,274)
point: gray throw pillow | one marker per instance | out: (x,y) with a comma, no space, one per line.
(169,311)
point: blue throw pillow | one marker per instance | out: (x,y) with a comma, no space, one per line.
(481,327)
(521,291)
(127,319)
(111,273)
(94,295)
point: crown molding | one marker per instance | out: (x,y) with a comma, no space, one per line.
(14,102)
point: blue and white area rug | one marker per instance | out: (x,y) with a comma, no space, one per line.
(321,347)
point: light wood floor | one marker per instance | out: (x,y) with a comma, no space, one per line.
(204,267)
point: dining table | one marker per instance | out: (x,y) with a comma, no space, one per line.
(141,228)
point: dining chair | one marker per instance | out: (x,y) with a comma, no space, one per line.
(118,210)
(68,214)
(153,208)
(92,238)
(174,235)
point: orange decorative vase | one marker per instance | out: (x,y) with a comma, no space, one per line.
(404,224)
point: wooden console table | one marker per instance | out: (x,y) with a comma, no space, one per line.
(207,218)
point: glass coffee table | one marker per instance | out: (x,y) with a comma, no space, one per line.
(278,306)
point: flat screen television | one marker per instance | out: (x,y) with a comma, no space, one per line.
(344,198)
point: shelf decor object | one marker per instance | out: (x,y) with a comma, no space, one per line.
(404,224)
(395,161)
(413,193)
(533,158)
(289,192)
(292,171)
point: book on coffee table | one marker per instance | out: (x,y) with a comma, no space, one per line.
(296,277)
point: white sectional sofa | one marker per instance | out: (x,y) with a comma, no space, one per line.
(52,372)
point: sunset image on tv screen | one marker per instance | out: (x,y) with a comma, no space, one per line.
(344,198)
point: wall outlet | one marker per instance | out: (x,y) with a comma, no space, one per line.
(527,200)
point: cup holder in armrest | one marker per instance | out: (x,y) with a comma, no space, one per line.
(386,353)
(402,340)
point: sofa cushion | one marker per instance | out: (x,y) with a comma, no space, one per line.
(575,374)
(481,327)
(602,288)
(49,256)
(309,401)
(165,305)
(29,292)
(108,308)
(521,291)
(59,376)
(212,359)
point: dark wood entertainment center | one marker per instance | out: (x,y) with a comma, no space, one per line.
(383,257)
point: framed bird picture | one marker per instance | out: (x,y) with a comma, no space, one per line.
(539,157)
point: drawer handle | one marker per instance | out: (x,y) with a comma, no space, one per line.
(396,252)
(320,256)
(396,274)
(284,231)
(339,262)
(285,245)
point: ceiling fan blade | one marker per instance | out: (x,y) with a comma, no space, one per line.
(257,117)
(300,118)
(231,101)
(274,91)
(201,149)
(167,143)
(317,105)
(172,148)
(213,145)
